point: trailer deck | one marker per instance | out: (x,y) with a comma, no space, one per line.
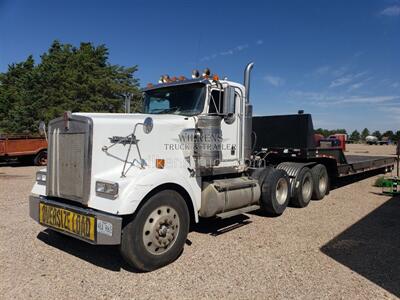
(291,138)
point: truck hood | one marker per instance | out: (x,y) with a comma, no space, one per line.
(161,143)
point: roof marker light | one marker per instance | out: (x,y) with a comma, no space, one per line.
(165,79)
(206,73)
(195,74)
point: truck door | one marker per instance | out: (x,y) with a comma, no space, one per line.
(229,126)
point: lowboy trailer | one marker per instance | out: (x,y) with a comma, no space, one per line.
(196,151)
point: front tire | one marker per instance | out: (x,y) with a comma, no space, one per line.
(157,234)
(40,159)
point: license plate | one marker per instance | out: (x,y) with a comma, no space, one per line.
(68,220)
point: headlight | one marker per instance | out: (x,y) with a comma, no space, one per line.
(41,177)
(106,189)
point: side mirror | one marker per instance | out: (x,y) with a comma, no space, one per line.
(229,104)
(148,125)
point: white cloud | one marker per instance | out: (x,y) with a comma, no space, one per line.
(229,52)
(323,99)
(340,71)
(241,47)
(356,86)
(392,115)
(259,42)
(346,79)
(392,11)
(365,100)
(395,84)
(322,70)
(274,80)
(341,81)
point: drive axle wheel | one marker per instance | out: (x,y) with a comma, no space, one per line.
(156,235)
(275,191)
(303,188)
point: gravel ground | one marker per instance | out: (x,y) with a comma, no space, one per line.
(346,246)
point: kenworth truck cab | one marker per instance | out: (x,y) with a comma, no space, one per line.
(140,180)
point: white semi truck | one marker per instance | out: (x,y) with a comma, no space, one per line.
(139,180)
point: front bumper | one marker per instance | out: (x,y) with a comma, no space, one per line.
(101,238)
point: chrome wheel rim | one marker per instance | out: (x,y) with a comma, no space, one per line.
(161,230)
(307,188)
(323,183)
(281,191)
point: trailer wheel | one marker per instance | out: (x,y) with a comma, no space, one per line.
(156,235)
(303,188)
(321,182)
(275,192)
(40,158)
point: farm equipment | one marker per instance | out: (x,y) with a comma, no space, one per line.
(391,185)
(24,148)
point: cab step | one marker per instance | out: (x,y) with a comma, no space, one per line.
(238,211)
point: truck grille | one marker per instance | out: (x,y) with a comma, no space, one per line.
(69,158)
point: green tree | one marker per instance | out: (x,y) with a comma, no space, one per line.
(397,136)
(355,136)
(378,134)
(364,133)
(326,132)
(67,78)
(389,134)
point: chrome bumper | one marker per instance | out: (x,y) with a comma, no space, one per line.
(102,239)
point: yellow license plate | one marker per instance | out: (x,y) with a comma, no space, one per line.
(67,220)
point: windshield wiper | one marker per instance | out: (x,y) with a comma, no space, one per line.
(168,110)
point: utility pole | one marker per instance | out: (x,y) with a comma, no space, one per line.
(128,97)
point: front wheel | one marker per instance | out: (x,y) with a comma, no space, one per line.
(40,158)
(156,235)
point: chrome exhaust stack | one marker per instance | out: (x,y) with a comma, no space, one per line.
(246,83)
(247,129)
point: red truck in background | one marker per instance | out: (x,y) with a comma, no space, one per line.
(27,149)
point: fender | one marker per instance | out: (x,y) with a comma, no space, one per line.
(135,192)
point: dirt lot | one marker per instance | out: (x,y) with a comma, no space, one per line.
(346,246)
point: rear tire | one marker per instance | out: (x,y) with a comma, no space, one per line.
(275,192)
(303,188)
(321,182)
(156,235)
(40,158)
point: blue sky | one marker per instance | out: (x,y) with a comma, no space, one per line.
(339,60)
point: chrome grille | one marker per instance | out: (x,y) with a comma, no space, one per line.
(69,159)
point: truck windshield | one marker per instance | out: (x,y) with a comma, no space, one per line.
(187,100)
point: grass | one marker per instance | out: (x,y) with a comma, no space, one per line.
(379,182)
